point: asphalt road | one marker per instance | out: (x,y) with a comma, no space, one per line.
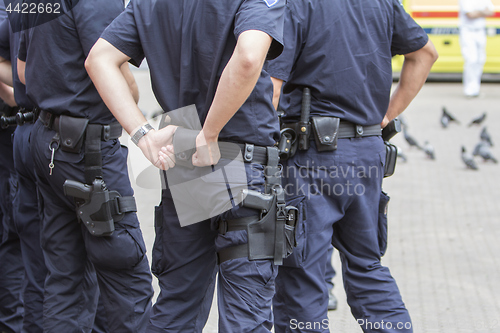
(444,220)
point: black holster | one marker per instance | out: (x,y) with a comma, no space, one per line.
(390,159)
(97,207)
(272,234)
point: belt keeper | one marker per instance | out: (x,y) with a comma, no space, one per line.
(106,132)
(359,131)
(50,121)
(222,227)
(248,153)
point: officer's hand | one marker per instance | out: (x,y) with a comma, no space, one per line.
(152,143)
(384,122)
(207,151)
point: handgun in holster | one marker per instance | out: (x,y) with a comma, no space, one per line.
(97,207)
(393,128)
(272,236)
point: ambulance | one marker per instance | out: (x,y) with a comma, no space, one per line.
(439,19)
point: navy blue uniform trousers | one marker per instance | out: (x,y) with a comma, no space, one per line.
(329,270)
(184,260)
(342,190)
(11,265)
(71,252)
(27,220)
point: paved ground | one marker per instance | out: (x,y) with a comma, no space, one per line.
(444,220)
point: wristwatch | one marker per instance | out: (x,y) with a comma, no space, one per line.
(141,132)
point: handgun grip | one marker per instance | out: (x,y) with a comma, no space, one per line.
(392,128)
(76,189)
(255,200)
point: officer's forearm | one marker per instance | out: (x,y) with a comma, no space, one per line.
(237,80)
(7,94)
(6,71)
(104,67)
(134,90)
(416,68)
(21,67)
(277,83)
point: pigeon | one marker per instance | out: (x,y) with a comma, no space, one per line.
(483,149)
(468,159)
(446,118)
(485,136)
(444,121)
(478,120)
(401,155)
(475,152)
(411,141)
(429,150)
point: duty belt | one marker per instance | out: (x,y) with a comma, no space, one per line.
(346,130)
(108,132)
(250,152)
(22,116)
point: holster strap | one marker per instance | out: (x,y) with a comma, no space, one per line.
(238,251)
(124,205)
(233,252)
(235,224)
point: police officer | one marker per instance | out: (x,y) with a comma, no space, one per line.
(208,53)
(76,138)
(12,270)
(341,51)
(26,214)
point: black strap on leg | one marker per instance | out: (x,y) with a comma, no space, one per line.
(238,251)
(233,252)
(273,185)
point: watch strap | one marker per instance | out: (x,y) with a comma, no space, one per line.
(141,132)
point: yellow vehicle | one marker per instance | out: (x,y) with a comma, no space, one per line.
(439,18)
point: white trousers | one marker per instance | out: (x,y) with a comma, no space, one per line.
(473,45)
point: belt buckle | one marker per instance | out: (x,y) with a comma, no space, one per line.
(359,131)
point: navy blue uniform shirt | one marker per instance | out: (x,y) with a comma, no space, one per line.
(9,45)
(188,44)
(342,50)
(55,53)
